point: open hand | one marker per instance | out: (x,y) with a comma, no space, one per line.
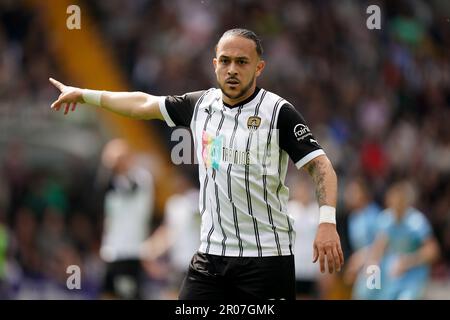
(327,244)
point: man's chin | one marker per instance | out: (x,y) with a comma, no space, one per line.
(233,94)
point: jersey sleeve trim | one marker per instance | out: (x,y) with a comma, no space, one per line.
(276,121)
(300,163)
(165,114)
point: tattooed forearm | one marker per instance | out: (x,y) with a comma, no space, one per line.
(325,180)
(317,172)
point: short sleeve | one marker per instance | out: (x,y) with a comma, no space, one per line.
(178,110)
(420,226)
(384,223)
(295,137)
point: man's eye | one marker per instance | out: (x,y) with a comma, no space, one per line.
(242,62)
(224,61)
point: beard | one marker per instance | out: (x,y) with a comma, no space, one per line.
(241,93)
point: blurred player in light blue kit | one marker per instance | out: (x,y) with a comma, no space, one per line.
(362,220)
(405,246)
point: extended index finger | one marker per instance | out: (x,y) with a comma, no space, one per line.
(57,84)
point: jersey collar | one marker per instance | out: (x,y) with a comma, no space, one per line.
(250,98)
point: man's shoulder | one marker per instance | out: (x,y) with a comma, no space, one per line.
(209,95)
(385,219)
(272,97)
(212,92)
(416,219)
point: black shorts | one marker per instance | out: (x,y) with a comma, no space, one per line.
(306,288)
(212,277)
(122,279)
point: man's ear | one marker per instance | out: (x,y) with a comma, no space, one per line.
(215,63)
(260,67)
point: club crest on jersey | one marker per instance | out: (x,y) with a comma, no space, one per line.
(253,123)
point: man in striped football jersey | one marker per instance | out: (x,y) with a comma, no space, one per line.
(243,137)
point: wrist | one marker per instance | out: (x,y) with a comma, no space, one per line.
(327,214)
(92,97)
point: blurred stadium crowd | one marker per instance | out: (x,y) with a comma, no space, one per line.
(377,100)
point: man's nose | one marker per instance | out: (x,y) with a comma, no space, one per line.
(232,69)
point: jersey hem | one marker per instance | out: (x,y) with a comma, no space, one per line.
(234,252)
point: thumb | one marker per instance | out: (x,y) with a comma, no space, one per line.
(315,254)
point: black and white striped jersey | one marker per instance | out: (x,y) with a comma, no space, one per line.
(243,151)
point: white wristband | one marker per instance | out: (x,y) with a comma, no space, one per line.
(327,214)
(92,97)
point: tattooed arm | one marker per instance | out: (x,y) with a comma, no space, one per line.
(325,180)
(327,243)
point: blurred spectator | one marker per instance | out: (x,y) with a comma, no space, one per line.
(178,237)
(51,232)
(14,171)
(129,202)
(4,246)
(362,230)
(405,247)
(26,229)
(304,210)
